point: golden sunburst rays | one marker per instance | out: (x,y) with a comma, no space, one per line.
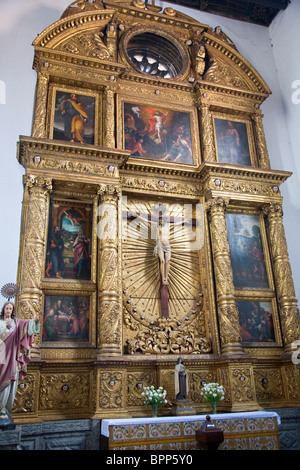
(141,274)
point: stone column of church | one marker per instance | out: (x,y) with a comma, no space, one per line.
(109,284)
(227,310)
(261,145)
(288,309)
(32,255)
(109,121)
(206,131)
(39,118)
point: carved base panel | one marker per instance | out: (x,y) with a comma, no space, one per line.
(112,387)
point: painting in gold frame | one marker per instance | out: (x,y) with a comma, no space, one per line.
(233,141)
(257,322)
(153,132)
(69,244)
(67,320)
(73,116)
(247,252)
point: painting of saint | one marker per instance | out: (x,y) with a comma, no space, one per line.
(232,142)
(69,247)
(66,318)
(74,118)
(256,321)
(157,133)
(246,250)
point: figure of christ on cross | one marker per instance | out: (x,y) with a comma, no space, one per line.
(162,247)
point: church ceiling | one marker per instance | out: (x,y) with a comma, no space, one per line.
(260,12)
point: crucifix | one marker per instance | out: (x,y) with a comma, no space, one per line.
(162,247)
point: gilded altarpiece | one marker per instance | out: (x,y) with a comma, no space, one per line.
(152,220)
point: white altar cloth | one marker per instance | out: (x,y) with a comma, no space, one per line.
(106,423)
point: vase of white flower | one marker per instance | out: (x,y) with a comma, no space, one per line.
(213,392)
(154,397)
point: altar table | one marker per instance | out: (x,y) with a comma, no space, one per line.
(256,430)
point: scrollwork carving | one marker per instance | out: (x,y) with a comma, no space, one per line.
(241,386)
(165,337)
(111,390)
(220,73)
(24,401)
(89,45)
(64,391)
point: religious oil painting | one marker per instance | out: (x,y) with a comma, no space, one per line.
(232,142)
(246,251)
(74,118)
(256,321)
(156,133)
(66,319)
(69,240)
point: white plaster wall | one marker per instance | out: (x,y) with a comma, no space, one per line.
(265,48)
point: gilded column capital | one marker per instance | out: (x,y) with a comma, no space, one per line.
(217,204)
(273,209)
(38,184)
(109,190)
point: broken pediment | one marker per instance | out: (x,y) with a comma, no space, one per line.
(96,29)
(226,66)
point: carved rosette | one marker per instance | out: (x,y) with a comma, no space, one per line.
(227,309)
(289,312)
(33,253)
(110,310)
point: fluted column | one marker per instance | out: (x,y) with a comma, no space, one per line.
(32,256)
(261,144)
(227,310)
(207,136)
(288,309)
(109,285)
(109,121)
(39,118)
